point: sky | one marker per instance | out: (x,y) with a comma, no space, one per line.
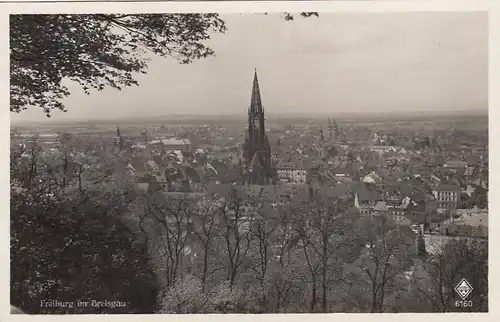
(337,63)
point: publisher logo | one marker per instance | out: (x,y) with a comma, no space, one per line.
(463,288)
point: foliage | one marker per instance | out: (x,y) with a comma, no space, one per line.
(72,248)
(289,16)
(73,245)
(185,296)
(98,51)
(447,266)
(376,274)
(326,238)
(478,198)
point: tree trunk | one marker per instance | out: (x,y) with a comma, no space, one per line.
(205,269)
(313,298)
(80,179)
(324,259)
(374,300)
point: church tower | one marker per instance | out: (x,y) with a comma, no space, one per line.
(118,139)
(256,149)
(321,143)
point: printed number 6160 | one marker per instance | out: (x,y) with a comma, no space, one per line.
(463,303)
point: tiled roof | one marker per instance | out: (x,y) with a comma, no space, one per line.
(456,162)
(365,194)
(138,164)
(143,186)
(220,189)
(282,164)
(447,187)
(192,174)
(340,190)
(153,165)
(381,206)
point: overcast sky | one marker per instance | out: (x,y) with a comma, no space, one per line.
(336,63)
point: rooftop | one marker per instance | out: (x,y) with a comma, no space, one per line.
(447,187)
(171,141)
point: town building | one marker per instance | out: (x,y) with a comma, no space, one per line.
(183,145)
(446,196)
(455,164)
(291,172)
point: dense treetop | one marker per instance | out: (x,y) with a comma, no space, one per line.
(98,50)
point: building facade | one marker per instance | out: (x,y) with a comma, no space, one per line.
(447,197)
(183,145)
(289,172)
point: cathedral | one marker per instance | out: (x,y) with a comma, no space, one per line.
(258,167)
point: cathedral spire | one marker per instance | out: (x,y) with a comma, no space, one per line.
(257,150)
(118,138)
(256,103)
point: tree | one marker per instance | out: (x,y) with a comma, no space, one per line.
(286,268)
(26,162)
(444,269)
(166,223)
(76,248)
(261,231)
(72,244)
(327,240)
(186,296)
(235,237)
(73,164)
(97,51)
(388,254)
(479,198)
(205,222)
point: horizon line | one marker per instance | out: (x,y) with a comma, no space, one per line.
(276,115)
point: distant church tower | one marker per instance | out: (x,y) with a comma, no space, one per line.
(321,144)
(144,137)
(256,149)
(118,139)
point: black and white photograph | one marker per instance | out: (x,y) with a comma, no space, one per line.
(249,163)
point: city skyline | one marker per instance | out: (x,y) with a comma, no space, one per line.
(399,62)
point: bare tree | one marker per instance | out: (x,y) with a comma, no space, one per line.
(166,224)
(205,224)
(283,251)
(262,231)
(444,269)
(388,254)
(324,232)
(26,163)
(237,215)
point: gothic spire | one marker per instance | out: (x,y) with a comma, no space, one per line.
(119,139)
(337,132)
(255,103)
(257,149)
